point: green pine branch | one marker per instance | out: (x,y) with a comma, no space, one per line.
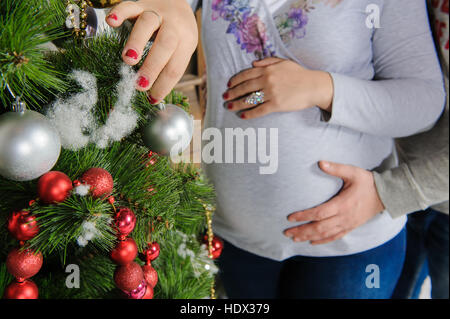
(25,26)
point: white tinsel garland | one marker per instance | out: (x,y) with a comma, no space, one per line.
(200,262)
(74,118)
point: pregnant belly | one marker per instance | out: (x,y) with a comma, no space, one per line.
(247,199)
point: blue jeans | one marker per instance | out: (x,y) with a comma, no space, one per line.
(426,253)
(372,274)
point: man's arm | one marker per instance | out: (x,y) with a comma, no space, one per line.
(420,182)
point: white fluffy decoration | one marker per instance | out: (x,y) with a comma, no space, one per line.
(82,190)
(122,119)
(201,262)
(89,232)
(81,241)
(74,118)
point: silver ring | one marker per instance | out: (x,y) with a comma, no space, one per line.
(156,14)
(255,98)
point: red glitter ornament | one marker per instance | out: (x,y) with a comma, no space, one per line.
(217,246)
(100,180)
(150,275)
(148,293)
(22,225)
(124,221)
(21,290)
(124,252)
(128,277)
(54,187)
(139,292)
(152,252)
(23,264)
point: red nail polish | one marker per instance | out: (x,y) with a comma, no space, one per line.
(226,95)
(112,16)
(152,100)
(229,84)
(143,81)
(132,54)
(230,106)
(243,116)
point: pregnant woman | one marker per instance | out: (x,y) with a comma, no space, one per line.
(339,80)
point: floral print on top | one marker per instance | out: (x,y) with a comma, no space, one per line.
(292,24)
(251,32)
(245,25)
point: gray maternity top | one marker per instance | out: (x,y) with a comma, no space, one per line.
(387,84)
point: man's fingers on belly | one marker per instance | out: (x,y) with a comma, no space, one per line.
(321,212)
(330,239)
(316,230)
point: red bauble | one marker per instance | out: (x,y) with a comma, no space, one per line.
(139,292)
(148,293)
(128,277)
(152,252)
(100,180)
(124,221)
(23,264)
(124,252)
(217,246)
(22,225)
(21,290)
(152,159)
(150,275)
(54,187)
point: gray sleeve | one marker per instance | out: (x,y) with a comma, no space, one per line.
(423,180)
(406,95)
(412,187)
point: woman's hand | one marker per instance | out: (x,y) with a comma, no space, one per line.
(355,205)
(173,47)
(287,87)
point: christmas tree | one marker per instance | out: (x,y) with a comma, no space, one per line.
(87,210)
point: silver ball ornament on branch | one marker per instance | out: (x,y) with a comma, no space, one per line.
(29,144)
(169,132)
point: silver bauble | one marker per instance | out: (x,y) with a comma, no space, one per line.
(169,131)
(29,145)
(91,22)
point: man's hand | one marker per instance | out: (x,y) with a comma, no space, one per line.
(173,47)
(355,205)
